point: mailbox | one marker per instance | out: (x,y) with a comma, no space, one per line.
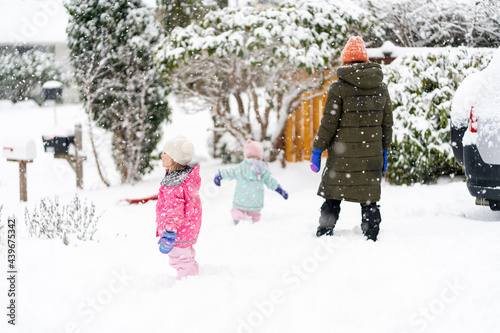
(23,151)
(61,144)
(48,143)
(58,141)
(52,90)
(58,145)
(19,148)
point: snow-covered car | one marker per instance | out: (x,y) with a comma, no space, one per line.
(475,132)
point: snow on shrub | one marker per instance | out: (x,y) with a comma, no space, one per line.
(431,23)
(52,220)
(250,66)
(421,89)
(22,73)
(111,45)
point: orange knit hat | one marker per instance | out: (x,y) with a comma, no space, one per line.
(354,50)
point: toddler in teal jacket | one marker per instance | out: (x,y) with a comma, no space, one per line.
(251,175)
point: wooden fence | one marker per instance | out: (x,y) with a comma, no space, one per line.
(302,126)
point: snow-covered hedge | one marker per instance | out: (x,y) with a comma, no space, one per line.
(52,220)
(22,73)
(422,88)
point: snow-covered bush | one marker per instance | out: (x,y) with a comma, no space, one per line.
(250,66)
(111,44)
(52,220)
(421,89)
(181,13)
(417,23)
(22,73)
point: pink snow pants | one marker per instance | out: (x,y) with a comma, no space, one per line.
(182,259)
(239,214)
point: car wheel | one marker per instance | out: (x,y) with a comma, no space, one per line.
(494,205)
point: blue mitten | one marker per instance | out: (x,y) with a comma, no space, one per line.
(385,161)
(281,191)
(316,160)
(167,241)
(217,178)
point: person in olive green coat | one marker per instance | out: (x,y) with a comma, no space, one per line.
(356,130)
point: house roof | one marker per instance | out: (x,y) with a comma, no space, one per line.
(33,22)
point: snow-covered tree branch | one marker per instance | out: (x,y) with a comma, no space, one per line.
(252,66)
(429,23)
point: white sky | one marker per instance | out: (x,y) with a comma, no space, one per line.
(33,21)
(42,21)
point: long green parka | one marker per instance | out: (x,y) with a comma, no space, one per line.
(356,127)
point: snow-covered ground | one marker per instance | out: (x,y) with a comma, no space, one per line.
(435,268)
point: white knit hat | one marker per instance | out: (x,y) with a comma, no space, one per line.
(180,149)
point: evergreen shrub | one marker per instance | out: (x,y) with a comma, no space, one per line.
(422,89)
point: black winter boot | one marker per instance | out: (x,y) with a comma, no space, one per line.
(370,221)
(324,231)
(330,211)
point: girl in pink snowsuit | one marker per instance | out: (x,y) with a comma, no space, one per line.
(178,209)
